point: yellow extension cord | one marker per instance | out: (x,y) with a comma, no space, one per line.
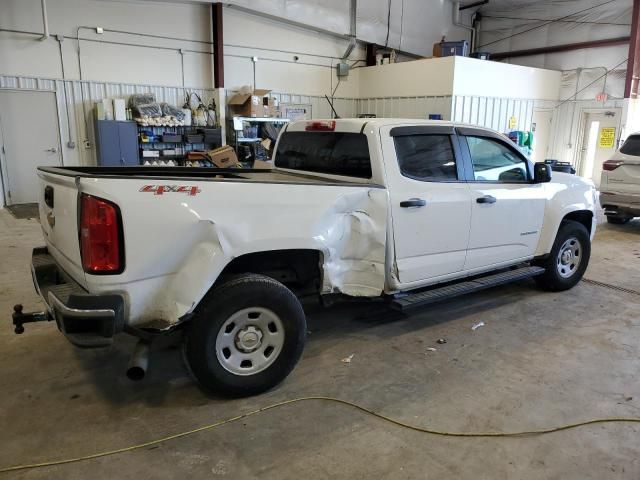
(327,399)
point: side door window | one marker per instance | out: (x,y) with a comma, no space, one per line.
(428,158)
(493,161)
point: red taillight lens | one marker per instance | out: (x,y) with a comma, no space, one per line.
(610,165)
(321,126)
(100,236)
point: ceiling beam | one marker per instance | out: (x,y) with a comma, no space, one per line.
(633,60)
(607,42)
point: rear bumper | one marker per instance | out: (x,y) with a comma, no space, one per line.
(620,204)
(86,320)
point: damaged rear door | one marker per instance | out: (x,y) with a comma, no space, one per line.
(430,201)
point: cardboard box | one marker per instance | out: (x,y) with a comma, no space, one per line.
(252,104)
(273,107)
(262,165)
(223,157)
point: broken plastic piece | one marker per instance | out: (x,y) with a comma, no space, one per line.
(477,326)
(347,359)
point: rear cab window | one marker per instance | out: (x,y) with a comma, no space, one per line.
(426,157)
(334,153)
(631,146)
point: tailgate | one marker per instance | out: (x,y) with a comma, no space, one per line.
(58,208)
(625,178)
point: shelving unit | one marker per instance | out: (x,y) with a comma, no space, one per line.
(252,142)
(182,147)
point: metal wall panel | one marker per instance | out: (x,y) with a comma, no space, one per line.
(493,112)
(406,107)
(75,107)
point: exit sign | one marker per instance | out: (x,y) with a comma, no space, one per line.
(602,97)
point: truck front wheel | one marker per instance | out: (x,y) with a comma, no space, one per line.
(246,336)
(568,259)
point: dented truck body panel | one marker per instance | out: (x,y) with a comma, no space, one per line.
(177,244)
(182,227)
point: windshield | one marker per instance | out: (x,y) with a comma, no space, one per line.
(335,153)
(631,146)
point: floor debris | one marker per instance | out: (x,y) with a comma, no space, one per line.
(477,326)
(431,349)
(348,359)
(441,341)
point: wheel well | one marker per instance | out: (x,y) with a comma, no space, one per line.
(585,217)
(298,269)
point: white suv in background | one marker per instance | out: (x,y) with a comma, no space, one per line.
(620,182)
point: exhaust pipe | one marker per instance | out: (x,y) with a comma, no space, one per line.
(139,362)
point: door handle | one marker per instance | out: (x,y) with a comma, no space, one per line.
(486,199)
(413,202)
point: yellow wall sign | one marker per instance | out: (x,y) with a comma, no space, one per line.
(607,137)
(513,122)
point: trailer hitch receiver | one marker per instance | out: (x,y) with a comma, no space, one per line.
(20,318)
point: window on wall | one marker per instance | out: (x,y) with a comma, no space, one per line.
(493,161)
(429,158)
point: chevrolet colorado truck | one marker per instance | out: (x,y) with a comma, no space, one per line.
(407,211)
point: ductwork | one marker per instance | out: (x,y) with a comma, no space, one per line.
(45,20)
(456,21)
(353,7)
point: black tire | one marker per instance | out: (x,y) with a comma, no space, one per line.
(618,219)
(231,298)
(559,277)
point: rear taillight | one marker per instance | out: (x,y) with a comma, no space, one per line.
(321,126)
(610,165)
(100,236)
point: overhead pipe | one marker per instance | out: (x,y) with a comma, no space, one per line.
(456,21)
(633,59)
(353,7)
(45,20)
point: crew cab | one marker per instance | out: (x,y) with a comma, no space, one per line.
(408,211)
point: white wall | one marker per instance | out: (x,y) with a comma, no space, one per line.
(494,79)
(247,35)
(432,76)
(21,54)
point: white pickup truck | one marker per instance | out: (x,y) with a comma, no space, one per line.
(408,211)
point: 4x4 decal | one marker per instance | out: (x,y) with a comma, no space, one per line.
(190,190)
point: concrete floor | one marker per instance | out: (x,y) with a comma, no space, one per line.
(541,360)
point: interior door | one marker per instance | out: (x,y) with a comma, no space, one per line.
(30,138)
(430,203)
(599,142)
(541,126)
(507,209)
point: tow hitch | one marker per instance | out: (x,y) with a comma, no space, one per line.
(19,318)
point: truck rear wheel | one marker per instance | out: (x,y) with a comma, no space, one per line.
(246,336)
(568,259)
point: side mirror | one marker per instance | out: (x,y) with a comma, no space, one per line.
(541,172)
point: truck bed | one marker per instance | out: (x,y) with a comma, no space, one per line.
(207,174)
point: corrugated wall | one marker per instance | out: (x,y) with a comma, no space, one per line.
(493,112)
(568,124)
(75,107)
(407,107)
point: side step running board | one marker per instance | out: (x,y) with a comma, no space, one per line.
(426,297)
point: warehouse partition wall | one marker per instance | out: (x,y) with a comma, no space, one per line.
(29,138)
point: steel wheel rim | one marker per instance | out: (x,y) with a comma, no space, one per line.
(569,257)
(249,341)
